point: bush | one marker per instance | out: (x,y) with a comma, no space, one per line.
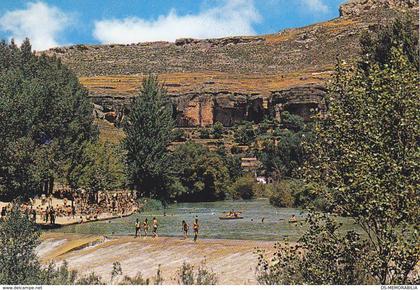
(307,196)
(317,259)
(136,280)
(150,204)
(243,187)
(218,130)
(91,279)
(179,135)
(292,122)
(204,133)
(203,276)
(244,133)
(18,260)
(281,194)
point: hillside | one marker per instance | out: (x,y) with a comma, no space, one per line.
(230,79)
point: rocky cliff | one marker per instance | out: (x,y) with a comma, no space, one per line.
(230,79)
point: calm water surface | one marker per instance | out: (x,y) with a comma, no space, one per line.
(251,227)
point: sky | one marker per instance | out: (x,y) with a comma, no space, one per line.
(51,23)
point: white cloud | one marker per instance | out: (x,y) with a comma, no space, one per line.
(234,17)
(39,22)
(315,5)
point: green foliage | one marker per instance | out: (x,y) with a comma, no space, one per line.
(243,187)
(218,130)
(366,153)
(45,120)
(18,260)
(178,135)
(244,133)
(308,196)
(292,122)
(136,280)
(281,194)
(284,157)
(377,48)
(59,276)
(204,133)
(265,126)
(199,175)
(322,256)
(364,162)
(148,130)
(90,279)
(102,168)
(232,162)
(150,204)
(203,276)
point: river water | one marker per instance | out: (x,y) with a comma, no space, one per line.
(251,227)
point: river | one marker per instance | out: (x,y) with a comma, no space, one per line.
(251,227)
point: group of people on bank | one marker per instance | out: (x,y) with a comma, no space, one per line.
(144,227)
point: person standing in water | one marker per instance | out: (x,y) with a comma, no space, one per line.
(185,229)
(145,227)
(137,225)
(196,226)
(155,227)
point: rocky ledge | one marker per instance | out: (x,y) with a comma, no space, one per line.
(358,7)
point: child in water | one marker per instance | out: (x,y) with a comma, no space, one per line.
(145,227)
(155,227)
(137,225)
(185,229)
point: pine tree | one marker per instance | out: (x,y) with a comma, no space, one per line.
(148,128)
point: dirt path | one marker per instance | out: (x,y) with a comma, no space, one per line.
(233,261)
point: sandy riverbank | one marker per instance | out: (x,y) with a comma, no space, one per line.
(71,220)
(233,261)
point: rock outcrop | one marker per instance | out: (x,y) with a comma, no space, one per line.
(357,7)
(230,79)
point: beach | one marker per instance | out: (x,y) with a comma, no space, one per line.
(233,261)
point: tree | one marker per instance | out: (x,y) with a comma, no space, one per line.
(283,193)
(292,122)
(218,130)
(45,120)
(102,168)
(377,48)
(148,130)
(243,187)
(364,161)
(366,153)
(18,260)
(245,133)
(199,175)
(284,157)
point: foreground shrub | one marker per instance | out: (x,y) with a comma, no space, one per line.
(18,260)
(322,256)
(203,276)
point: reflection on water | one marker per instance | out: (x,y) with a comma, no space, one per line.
(274,227)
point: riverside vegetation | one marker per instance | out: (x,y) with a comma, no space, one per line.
(364,163)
